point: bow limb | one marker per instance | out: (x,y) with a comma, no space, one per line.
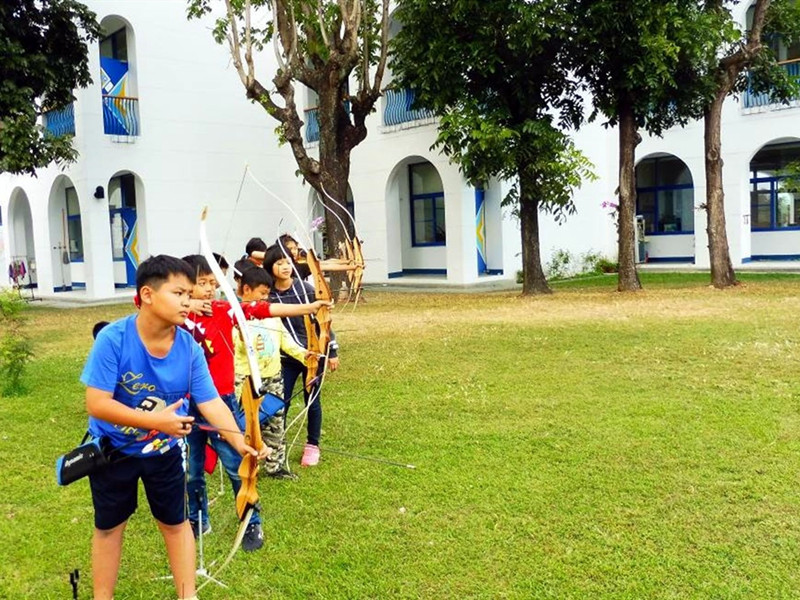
(247,497)
(358,274)
(322,291)
(312,362)
(354,249)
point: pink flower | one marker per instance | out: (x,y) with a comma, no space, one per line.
(317,223)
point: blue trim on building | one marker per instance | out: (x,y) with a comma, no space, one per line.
(494,271)
(757,257)
(747,260)
(79,285)
(123,286)
(671,259)
(662,233)
(62,288)
(395,275)
(424,271)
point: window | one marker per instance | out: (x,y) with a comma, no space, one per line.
(74,232)
(665,195)
(775,187)
(427,206)
(115,46)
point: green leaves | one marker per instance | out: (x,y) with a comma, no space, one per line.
(43,45)
(15,347)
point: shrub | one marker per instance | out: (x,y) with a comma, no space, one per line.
(559,266)
(15,347)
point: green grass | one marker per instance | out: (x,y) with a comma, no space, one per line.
(587,444)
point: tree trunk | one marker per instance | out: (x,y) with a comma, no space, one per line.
(722,274)
(628,140)
(533,278)
(334,173)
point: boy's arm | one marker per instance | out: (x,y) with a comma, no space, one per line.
(296,310)
(217,413)
(101,405)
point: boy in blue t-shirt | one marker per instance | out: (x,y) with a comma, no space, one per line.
(140,374)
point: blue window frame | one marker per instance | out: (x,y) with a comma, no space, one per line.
(774,194)
(428,226)
(665,196)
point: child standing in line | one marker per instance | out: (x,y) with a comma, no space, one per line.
(270,339)
(214,331)
(138,377)
(288,290)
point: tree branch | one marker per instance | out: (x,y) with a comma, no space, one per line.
(235,44)
(381,68)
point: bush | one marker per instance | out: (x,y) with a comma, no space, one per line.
(605,265)
(15,347)
(560,265)
(563,265)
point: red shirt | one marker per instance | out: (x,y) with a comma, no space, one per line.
(218,340)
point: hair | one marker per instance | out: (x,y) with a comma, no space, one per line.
(156,270)
(255,244)
(98,327)
(255,277)
(198,263)
(286,239)
(274,254)
(223,264)
(242,265)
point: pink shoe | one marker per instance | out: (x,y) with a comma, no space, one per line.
(310,456)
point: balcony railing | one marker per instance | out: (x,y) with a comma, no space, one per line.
(60,122)
(312,125)
(120,115)
(397,107)
(751,100)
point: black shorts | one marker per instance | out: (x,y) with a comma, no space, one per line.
(115,489)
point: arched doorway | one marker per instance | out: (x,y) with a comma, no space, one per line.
(416,218)
(125,207)
(22,254)
(665,198)
(66,235)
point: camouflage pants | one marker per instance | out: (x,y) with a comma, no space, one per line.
(272,432)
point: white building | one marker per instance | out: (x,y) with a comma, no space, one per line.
(166,129)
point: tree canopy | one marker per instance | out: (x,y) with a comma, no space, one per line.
(45,57)
(495,72)
(632,57)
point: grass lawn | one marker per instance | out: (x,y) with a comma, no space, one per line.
(587,444)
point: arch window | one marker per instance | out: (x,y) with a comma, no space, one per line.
(74,232)
(665,195)
(427,206)
(775,187)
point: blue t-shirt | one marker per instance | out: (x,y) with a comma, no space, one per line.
(119,363)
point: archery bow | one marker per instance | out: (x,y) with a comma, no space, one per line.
(353,252)
(247,498)
(322,291)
